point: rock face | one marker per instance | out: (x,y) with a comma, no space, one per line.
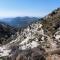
(39,41)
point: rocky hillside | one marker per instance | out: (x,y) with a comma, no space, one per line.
(51,22)
(39,41)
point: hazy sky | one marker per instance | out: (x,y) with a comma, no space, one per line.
(38,8)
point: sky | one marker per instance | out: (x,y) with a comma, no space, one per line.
(35,8)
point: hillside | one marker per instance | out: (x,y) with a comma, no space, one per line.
(6,32)
(51,22)
(39,41)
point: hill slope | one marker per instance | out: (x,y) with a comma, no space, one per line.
(5,32)
(52,22)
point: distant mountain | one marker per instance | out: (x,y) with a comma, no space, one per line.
(19,21)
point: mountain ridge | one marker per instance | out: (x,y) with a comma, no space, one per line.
(38,41)
(19,21)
